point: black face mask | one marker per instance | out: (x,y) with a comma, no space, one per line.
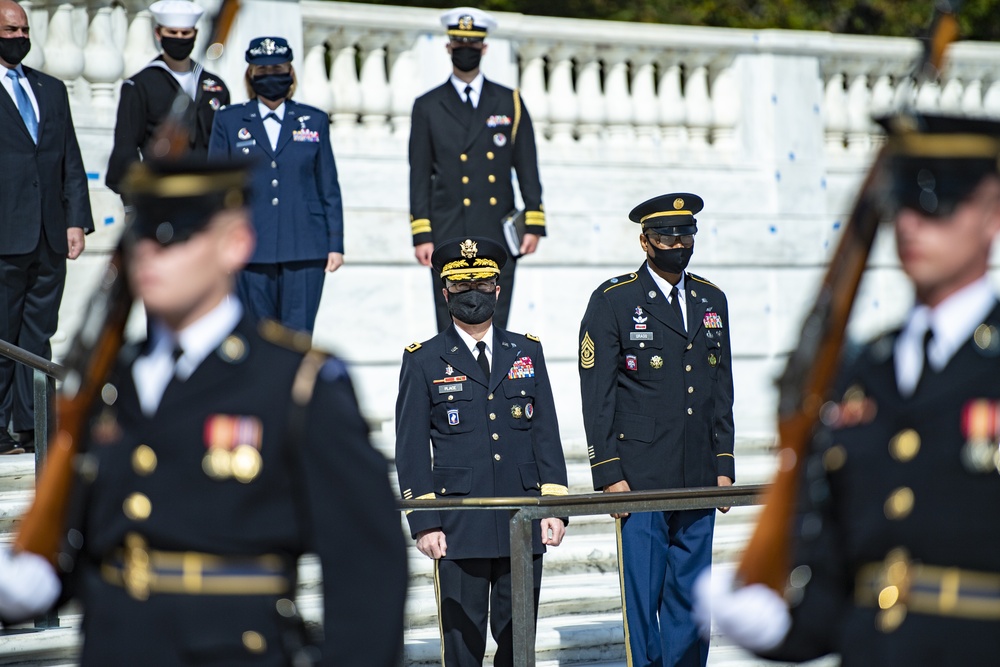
(674,260)
(466,58)
(14,49)
(272,86)
(177,48)
(472,307)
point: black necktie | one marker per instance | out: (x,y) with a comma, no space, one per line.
(675,305)
(484,363)
(926,371)
(468,100)
(272,115)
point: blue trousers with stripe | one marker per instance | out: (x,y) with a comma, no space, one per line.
(659,556)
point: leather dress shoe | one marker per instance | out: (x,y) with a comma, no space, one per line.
(8,445)
(26,439)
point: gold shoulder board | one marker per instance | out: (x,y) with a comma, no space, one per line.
(413,347)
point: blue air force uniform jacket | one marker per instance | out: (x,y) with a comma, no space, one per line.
(460,180)
(891,498)
(319,487)
(462,435)
(657,402)
(296,205)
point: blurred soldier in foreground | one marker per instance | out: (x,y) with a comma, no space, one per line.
(898,548)
(217,454)
(478,398)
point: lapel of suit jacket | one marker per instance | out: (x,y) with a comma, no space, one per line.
(8,104)
(487,102)
(255,124)
(656,303)
(452,103)
(287,125)
(504,354)
(457,355)
(696,308)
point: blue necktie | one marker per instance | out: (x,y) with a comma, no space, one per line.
(24,105)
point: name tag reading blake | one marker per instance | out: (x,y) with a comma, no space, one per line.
(449,388)
(640,335)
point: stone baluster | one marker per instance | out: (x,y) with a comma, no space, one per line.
(645,109)
(858,112)
(835,112)
(951,95)
(881,103)
(119,27)
(38,23)
(140,45)
(563,102)
(63,56)
(972,96)
(344,83)
(402,85)
(313,85)
(726,108)
(697,105)
(670,103)
(532,55)
(590,97)
(103,63)
(929,96)
(375,94)
(618,103)
(991,100)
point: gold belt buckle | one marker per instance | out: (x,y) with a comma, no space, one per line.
(136,573)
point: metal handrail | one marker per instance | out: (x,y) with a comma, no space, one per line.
(20,355)
(525,510)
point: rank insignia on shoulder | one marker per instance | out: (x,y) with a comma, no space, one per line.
(532,337)
(413,347)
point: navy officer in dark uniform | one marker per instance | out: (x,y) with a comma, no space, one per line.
(296,205)
(657,387)
(475,418)
(219,452)
(466,136)
(897,545)
(146,97)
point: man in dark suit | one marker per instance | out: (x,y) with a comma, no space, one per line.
(45,208)
(475,418)
(657,387)
(896,543)
(465,138)
(223,451)
(147,96)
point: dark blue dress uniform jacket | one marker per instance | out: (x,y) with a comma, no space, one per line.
(657,402)
(330,495)
(296,206)
(460,180)
(490,437)
(886,473)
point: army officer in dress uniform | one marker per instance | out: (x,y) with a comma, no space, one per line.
(475,418)
(147,97)
(898,545)
(657,385)
(467,135)
(218,453)
(296,206)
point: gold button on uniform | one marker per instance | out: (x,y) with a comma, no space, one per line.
(493,416)
(493,201)
(496,437)
(899,504)
(690,390)
(467,201)
(489,155)
(621,436)
(688,368)
(465,179)
(690,411)
(834,458)
(490,397)
(254,642)
(144,460)
(463,157)
(491,178)
(451,397)
(496,456)
(137,507)
(689,346)
(904,445)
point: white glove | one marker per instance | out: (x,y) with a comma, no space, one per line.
(754,617)
(28,585)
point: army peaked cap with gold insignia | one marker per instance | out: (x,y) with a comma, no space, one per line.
(174,200)
(935,161)
(470,258)
(268,51)
(467,23)
(671,214)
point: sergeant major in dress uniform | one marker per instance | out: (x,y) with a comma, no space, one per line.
(657,386)
(147,96)
(475,418)
(219,452)
(465,138)
(897,542)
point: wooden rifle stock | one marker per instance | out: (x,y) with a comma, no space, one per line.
(812,367)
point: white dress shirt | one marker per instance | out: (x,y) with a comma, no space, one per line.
(272,126)
(8,85)
(475,93)
(471,342)
(666,287)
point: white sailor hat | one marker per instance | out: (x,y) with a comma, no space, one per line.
(175,13)
(467,23)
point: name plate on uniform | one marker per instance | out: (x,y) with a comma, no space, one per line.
(449,388)
(640,335)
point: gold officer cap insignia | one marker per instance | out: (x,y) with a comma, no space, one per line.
(465,22)
(469,248)
(678,203)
